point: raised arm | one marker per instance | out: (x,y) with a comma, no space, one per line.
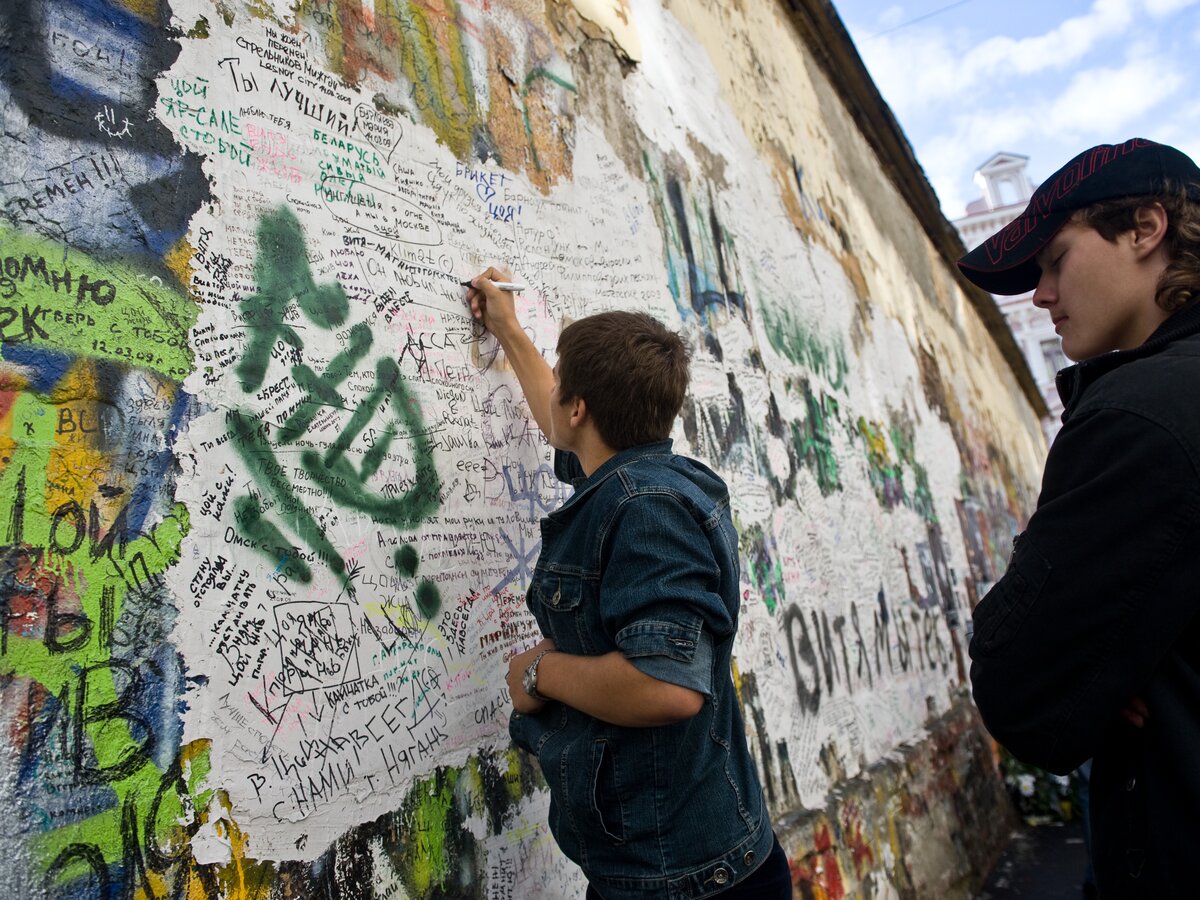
(496,311)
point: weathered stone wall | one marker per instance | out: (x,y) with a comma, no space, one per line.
(270,500)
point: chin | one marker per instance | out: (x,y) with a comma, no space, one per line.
(1075,353)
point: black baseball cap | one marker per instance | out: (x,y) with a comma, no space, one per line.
(1005,263)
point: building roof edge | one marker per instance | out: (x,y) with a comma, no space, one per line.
(823,31)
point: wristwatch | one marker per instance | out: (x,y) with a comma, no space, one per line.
(529,679)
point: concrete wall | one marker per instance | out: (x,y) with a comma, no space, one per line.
(271,501)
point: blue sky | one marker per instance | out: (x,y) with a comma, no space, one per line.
(1042,78)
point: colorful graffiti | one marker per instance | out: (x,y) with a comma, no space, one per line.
(272,499)
(97,198)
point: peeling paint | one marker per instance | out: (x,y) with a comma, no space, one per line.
(271,498)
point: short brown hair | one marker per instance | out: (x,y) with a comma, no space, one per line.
(1179,284)
(630,370)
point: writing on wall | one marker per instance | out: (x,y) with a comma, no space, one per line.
(270,499)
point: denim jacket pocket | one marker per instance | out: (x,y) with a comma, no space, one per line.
(559,591)
(607,803)
(1002,612)
(567,610)
(530,731)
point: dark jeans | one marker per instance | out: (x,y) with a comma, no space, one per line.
(770,881)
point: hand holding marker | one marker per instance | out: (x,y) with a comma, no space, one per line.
(510,286)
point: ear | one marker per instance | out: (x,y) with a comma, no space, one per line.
(579,412)
(1149,229)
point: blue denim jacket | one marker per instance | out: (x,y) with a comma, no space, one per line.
(644,558)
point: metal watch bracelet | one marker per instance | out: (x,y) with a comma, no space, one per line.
(529,681)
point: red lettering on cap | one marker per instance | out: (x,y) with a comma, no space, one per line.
(995,250)
(1000,243)
(1069,179)
(1014,238)
(1047,200)
(1097,158)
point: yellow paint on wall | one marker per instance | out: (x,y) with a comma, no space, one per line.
(143,9)
(178,260)
(615,17)
(77,465)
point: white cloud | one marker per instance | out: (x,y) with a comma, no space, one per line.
(1122,68)
(1096,106)
(1108,100)
(950,156)
(1181,129)
(923,64)
(914,69)
(892,16)
(1167,7)
(1056,49)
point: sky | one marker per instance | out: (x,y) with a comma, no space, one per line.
(1041,78)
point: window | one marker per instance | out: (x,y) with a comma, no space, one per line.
(1053,355)
(1008,193)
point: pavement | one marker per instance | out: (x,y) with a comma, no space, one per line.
(1043,862)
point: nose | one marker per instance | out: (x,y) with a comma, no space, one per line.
(1044,294)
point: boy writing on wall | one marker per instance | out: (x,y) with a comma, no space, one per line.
(628,701)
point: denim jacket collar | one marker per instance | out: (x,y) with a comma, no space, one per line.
(586,485)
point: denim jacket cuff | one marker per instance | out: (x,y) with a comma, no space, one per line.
(670,651)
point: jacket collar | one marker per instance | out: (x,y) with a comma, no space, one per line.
(586,485)
(1072,380)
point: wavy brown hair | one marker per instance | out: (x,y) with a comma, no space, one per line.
(1179,284)
(630,369)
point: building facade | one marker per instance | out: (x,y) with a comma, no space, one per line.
(1006,190)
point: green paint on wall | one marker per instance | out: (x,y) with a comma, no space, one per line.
(538,74)
(763,565)
(429,599)
(812,439)
(432,805)
(886,476)
(73,660)
(801,345)
(259,456)
(59,298)
(282,274)
(406,560)
(284,277)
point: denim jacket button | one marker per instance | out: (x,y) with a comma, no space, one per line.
(721,875)
(748,859)
(557,596)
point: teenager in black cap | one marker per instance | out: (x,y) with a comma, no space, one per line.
(1089,645)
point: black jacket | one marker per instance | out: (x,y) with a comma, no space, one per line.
(1100,604)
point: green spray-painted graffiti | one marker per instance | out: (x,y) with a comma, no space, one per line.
(764,565)
(812,439)
(887,475)
(803,346)
(283,276)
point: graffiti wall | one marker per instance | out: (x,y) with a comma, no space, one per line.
(271,499)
